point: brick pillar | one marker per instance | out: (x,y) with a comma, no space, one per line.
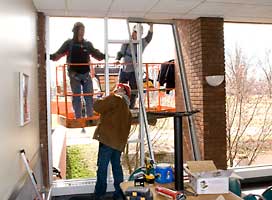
(42,98)
(203,49)
(184,33)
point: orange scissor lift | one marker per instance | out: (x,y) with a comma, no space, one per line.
(155,97)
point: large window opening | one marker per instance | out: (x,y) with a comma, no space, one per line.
(248,94)
(248,97)
(74,151)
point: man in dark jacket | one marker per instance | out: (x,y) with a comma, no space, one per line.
(78,51)
(127,74)
(112,133)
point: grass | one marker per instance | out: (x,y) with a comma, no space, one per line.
(81,162)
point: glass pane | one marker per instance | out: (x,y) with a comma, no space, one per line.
(248,94)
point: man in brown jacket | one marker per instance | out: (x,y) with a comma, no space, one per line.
(112,133)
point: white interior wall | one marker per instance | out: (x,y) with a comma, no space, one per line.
(18,53)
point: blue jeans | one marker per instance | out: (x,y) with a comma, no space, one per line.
(80,82)
(107,154)
(129,77)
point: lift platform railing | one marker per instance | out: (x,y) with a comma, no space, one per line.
(156,87)
(154,92)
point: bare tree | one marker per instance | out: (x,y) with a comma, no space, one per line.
(131,155)
(248,124)
(267,69)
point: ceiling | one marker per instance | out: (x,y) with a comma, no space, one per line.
(259,11)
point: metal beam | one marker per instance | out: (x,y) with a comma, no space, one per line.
(187,100)
(154,21)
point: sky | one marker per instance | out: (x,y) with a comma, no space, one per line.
(160,49)
(253,39)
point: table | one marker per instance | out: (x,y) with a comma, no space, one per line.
(227,196)
(178,143)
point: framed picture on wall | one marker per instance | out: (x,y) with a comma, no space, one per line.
(24,99)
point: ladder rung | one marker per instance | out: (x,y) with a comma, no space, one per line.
(122,41)
(134,141)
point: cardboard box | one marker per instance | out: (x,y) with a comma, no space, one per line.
(204,178)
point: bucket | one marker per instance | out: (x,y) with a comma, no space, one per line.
(164,173)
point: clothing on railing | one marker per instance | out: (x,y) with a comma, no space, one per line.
(167,75)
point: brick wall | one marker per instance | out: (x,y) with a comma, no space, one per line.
(203,50)
(184,33)
(42,97)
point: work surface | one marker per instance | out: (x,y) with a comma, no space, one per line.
(227,196)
